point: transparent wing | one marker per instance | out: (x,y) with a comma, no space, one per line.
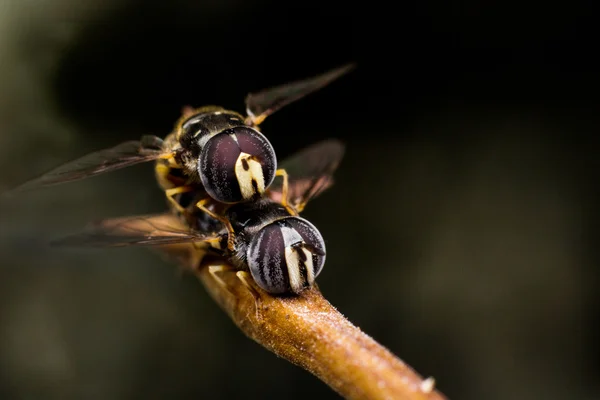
(261,104)
(123,155)
(310,172)
(151,230)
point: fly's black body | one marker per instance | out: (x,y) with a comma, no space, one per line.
(219,149)
(218,155)
(282,251)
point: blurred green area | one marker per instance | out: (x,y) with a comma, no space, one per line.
(461,232)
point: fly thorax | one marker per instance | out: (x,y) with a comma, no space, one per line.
(199,128)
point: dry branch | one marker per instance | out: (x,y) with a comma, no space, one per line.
(309,332)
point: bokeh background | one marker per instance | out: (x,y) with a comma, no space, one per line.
(461,232)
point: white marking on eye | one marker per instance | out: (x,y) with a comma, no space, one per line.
(246,176)
(290,238)
(293,265)
(310,271)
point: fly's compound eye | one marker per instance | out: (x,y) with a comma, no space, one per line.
(286,255)
(237,165)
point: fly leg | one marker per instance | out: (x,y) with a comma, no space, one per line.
(222,219)
(245,278)
(201,206)
(192,254)
(284,191)
(170,193)
(213,270)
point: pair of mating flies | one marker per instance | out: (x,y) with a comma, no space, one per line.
(218,173)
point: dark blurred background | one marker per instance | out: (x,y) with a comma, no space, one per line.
(461,232)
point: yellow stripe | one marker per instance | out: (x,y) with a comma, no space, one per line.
(245,177)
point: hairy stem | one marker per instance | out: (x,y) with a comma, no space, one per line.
(307,331)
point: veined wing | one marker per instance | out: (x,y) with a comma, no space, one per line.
(123,155)
(149,230)
(310,172)
(261,104)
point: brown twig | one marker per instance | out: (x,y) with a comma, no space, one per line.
(309,332)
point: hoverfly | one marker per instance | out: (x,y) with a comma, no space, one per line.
(283,252)
(210,146)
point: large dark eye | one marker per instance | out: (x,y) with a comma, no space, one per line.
(236,165)
(286,256)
